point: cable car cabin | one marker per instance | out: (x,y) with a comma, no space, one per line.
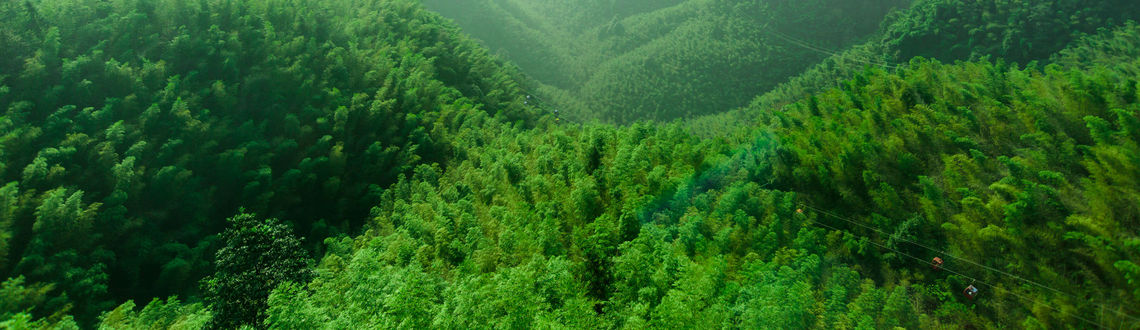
(970,292)
(936,264)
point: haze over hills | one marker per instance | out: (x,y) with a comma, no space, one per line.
(367,164)
(621,61)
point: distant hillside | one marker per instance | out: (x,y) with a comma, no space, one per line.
(621,61)
(946,30)
(1016,31)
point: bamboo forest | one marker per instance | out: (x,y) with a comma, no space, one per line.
(569,164)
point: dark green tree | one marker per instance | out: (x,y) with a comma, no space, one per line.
(258,255)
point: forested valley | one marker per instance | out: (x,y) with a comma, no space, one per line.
(569,164)
(623,61)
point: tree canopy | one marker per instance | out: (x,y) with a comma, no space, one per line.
(176,164)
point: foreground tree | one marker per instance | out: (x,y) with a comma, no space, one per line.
(258,255)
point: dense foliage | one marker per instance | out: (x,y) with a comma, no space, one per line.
(1017,31)
(258,256)
(621,61)
(132,129)
(437,197)
(624,61)
(947,30)
(647,226)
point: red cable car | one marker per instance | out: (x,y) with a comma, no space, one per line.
(970,292)
(936,263)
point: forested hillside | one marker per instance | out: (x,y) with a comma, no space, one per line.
(364,164)
(647,226)
(622,61)
(951,30)
(132,129)
(946,30)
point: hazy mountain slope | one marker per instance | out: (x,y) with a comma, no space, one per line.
(627,61)
(947,30)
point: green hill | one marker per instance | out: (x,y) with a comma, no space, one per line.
(364,164)
(642,60)
(132,129)
(983,164)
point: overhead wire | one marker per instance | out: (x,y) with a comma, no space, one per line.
(972,279)
(539,103)
(805,43)
(821,50)
(941,252)
(837,54)
(802,43)
(532,100)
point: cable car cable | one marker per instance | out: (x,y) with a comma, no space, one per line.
(972,279)
(810,46)
(941,252)
(804,205)
(820,50)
